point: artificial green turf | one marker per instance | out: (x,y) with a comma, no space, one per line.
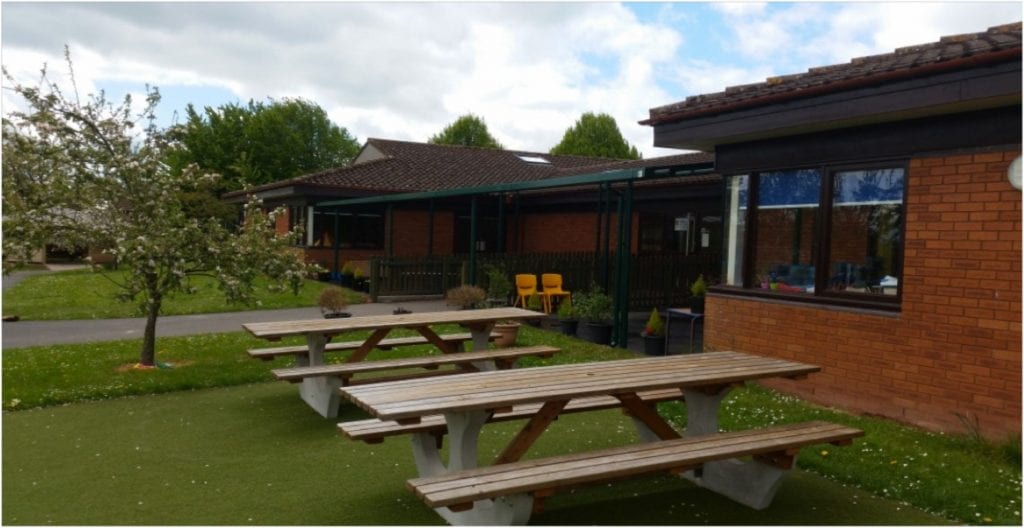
(255,454)
(962,480)
(84,294)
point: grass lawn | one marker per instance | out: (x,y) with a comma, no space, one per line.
(83,294)
(245,452)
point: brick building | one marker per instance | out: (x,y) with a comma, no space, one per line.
(538,221)
(873,226)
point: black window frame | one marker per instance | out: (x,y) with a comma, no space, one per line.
(822,241)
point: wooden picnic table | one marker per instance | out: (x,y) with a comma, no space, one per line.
(321,392)
(468,401)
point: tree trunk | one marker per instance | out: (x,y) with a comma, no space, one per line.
(148,354)
(147,357)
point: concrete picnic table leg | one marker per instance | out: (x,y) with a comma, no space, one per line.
(463,433)
(320,393)
(482,341)
(751,483)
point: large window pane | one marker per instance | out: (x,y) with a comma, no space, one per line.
(787,209)
(866,235)
(735,229)
(362,231)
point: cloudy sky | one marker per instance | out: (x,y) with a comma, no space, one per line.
(405,70)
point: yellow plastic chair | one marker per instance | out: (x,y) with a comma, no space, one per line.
(526,285)
(552,283)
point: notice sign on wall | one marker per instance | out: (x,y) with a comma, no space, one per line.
(682,223)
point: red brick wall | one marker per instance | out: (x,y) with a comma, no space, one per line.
(955,347)
(412,232)
(555,232)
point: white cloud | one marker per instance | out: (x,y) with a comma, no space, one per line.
(405,70)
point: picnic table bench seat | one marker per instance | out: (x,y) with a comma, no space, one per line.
(519,488)
(267,354)
(374,431)
(502,358)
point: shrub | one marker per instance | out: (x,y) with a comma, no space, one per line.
(498,285)
(534,302)
(594,306)
(466,296)
(566,312)
(655,327)
(699,287)
(332,300)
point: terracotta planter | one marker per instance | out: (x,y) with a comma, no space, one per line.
(509,332)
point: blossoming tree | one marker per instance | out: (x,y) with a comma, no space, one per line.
(90,173)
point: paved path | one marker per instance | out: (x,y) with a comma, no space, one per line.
(32,333)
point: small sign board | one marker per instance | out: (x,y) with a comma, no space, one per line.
(682,223)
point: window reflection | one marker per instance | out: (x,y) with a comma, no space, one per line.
(787,207)
(866,231)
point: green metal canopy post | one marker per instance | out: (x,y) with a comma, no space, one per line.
(389,238)
(336,272)
(620,331)
(501,223)
(472,240)
(430,230)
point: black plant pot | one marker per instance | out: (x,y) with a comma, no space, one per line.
(654,346)
(697,305)
(569,326)
(600,333)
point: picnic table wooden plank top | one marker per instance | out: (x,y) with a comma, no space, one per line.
(306,326)
(502,389)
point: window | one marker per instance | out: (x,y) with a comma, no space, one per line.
(359,231)
(866,231)
(816,233)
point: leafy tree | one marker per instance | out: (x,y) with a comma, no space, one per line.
(86,172)
(261,142)
(468,130)
(596,136)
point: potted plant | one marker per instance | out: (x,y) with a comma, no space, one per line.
(359,282)
(654,335)
(347,275)
(698,289)
(567,318)
(498,287)
(595,312)
(466,297)
(333,303)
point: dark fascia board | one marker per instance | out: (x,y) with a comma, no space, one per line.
(310,193)
(957,91)
(585,179)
